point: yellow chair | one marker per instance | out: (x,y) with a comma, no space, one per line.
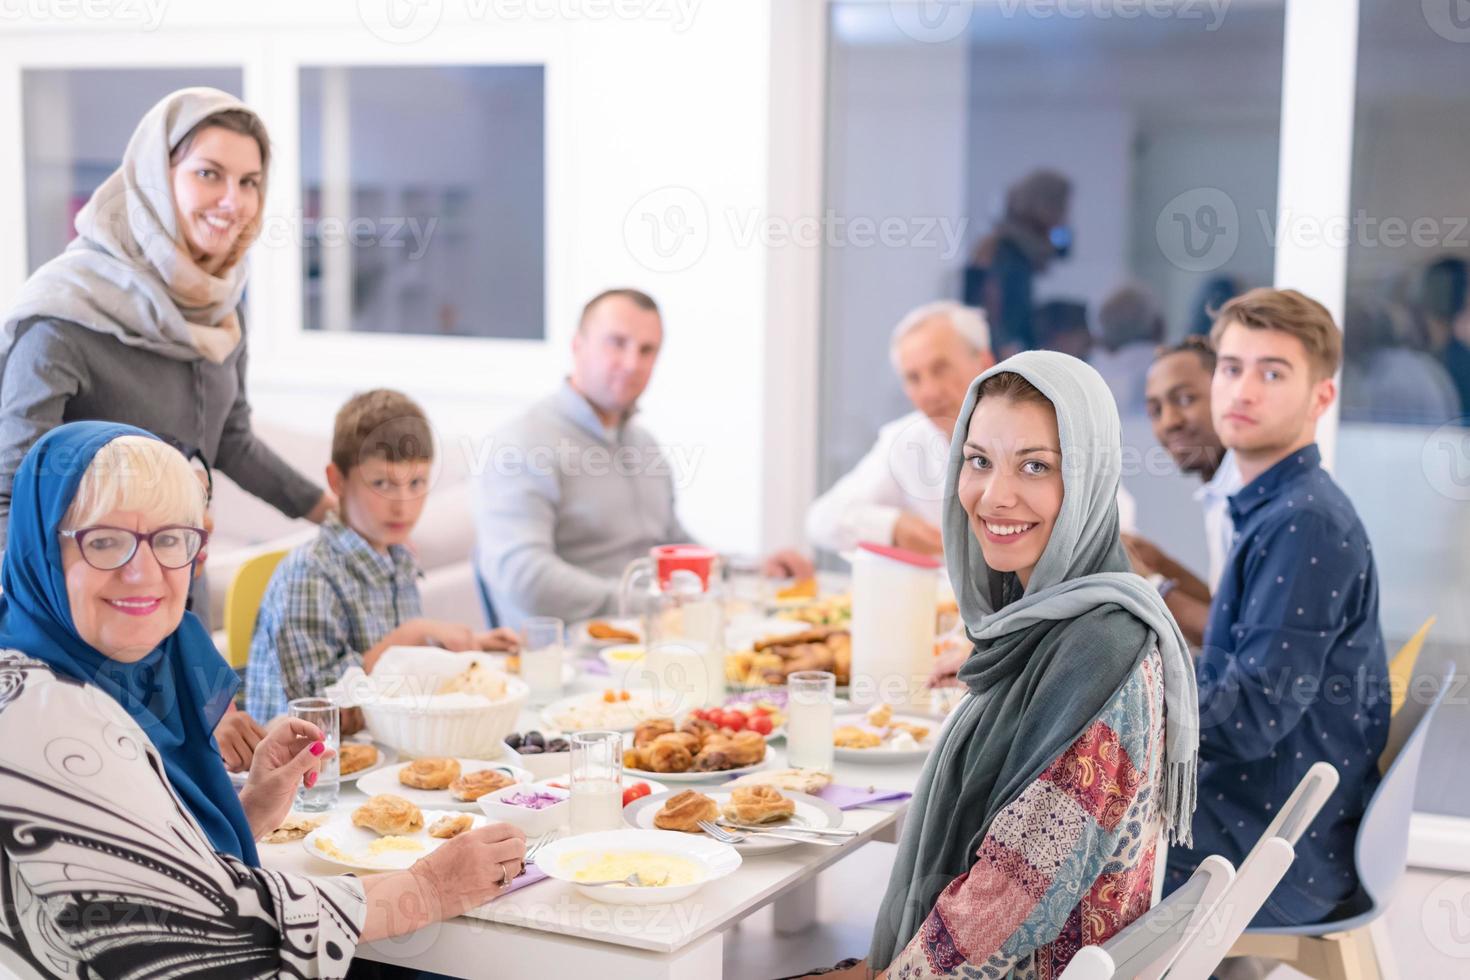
(242,604)
(1401,667)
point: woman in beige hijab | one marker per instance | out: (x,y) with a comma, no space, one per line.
(138,320)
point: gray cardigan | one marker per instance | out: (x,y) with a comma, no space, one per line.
(58,371)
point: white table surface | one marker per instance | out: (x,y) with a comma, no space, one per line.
(550,922)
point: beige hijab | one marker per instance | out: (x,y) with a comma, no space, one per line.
(128,273)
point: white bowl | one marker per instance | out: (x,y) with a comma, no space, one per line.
(547,765)
(561,859)
(533,822)
(402,710)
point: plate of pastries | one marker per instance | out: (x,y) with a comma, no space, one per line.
(881,735)
(387,833)
(772,659)
(761,806)
(693,751)
(356,757)
(441,783)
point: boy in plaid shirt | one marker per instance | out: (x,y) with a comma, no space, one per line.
(342,599)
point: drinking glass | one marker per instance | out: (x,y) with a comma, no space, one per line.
(597,781)
(543,640)
(325,715)
(810,699)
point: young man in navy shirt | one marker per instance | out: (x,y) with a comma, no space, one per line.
(1293,669)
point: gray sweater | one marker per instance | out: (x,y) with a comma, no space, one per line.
(58,371)
(564,505)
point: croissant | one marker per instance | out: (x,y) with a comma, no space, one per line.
(664,757)
(430,773)
(649,730)
(699,728)
(746,748)
(690,743)
(683,812)
(758,804)
(388,814)
(712,760)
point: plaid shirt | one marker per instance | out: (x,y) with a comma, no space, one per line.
(329,601)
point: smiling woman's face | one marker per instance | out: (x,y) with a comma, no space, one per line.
(127,612)
(216,189)
(1011,482)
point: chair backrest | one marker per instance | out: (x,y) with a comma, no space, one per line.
(1382,850)
(1212,939)
(1401,667)
(1301,807)
(487,606)
(242,603)
(1143,949)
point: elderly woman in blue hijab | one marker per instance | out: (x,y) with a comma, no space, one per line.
(124,850)
(1037,818)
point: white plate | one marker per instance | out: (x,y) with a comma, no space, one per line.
(882,755)
(387,755)
(696,777)
(562,858)
(354,842)
(811,812)
(742,632)
(385,780)
(639,707)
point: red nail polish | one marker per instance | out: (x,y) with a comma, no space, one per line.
(318,748)
(310,780)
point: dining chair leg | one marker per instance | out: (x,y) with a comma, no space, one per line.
(1381,947)
(1348,956)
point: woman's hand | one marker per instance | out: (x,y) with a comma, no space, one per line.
(290,755)
(237,734)
(501,639)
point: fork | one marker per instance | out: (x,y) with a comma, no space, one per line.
(536,846)
(726,837)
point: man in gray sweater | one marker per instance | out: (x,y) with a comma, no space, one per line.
(578,489)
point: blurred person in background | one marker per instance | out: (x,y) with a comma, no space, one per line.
(1061,325)
(1130,329)
(1389,374)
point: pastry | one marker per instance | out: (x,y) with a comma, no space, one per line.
(699,728)
(683,811)
(852,737)
(711,760)
(880,716)
(804,589)
(818,635)
(433,773)
(293,828)
(746,748)
(473,785)
(451,826)
(649,730)
(475,679)
(809,781)
(665,757)
(635,758)
(919,732)
(388,814)
(599,630)
(355,757)
(758,804)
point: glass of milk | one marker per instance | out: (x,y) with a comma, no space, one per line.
(543,638)
(810,697)
(597,781)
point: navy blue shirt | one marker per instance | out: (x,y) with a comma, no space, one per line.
(1293,671)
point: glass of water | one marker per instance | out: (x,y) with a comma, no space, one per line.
(543,640)
(597,781)
(811,696)
(325,715)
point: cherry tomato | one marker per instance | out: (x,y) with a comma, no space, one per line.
(734,720)
(760,709)
(700,713)
(761,724)
(635,792)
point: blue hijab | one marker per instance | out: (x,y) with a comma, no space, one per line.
(176,694)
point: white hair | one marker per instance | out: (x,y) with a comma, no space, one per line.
(137,473)
(968,321)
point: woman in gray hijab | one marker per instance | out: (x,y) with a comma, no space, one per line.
(138,320)
(1037,818)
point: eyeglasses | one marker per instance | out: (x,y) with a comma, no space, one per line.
(108,548)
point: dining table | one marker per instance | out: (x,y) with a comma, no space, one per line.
(527,930)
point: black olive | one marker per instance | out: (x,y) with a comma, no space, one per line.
(531,750)
(535,738)
(558,745)
(513,740)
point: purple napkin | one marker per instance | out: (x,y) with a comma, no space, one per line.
(533,874)
(852,797)
(596,667)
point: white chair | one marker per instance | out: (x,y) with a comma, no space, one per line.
(1147,945)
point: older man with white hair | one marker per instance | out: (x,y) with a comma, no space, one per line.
(893,495)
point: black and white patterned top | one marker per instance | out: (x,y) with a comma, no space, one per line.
(105,873)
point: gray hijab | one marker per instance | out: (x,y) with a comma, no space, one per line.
(128,272)
(1048,658)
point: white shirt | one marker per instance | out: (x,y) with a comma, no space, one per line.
(903,472)
(1213,499)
